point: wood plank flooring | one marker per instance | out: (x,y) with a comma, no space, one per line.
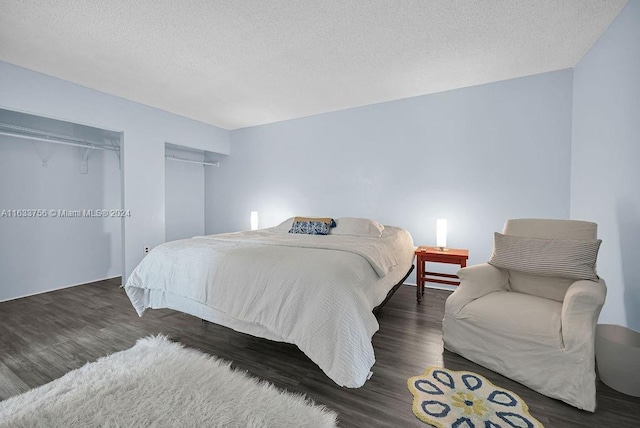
(44,336)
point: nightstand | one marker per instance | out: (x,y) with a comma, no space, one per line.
(454,256)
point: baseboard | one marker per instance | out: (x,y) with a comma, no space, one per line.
(57,288)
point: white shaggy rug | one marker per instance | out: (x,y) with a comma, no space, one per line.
(161,384)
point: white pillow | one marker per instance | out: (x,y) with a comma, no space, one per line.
(357,227)
(285,226)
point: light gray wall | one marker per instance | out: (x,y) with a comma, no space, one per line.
(45,253)
(145,132)
(476,156)
(184,200)
(605,157)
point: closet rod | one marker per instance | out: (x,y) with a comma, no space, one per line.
(175,158)
(14,131)
(68,143)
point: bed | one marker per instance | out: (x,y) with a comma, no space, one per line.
(315,291)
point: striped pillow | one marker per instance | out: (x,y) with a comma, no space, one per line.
(565,258)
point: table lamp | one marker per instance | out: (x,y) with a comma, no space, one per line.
(254,220)
(441,234)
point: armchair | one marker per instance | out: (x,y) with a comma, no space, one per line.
(529,326)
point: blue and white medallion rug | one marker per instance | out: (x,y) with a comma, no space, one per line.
(459,399)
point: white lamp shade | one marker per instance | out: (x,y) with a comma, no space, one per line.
(254,220)
(441,232)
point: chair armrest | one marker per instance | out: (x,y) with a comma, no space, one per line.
(476,281)
(580,309)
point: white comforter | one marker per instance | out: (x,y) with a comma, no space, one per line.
(312,291)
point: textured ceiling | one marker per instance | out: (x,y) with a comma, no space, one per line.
(242,63)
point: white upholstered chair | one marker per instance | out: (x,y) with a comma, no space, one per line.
(536,329)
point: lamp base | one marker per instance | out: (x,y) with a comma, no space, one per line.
(443,249)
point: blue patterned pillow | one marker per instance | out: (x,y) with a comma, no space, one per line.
(312,226)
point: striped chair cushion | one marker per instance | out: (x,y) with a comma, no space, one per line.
(565,258)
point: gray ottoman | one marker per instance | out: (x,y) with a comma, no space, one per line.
(618,358)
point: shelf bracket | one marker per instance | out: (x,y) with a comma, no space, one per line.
(44,157)
(116,148)
(84,157)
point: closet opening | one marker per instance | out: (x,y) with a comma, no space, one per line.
(61,204)
(185,190)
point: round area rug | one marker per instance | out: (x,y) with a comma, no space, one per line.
(459,399)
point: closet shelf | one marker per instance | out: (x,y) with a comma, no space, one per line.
(48,137)
(179,159)
(68,140)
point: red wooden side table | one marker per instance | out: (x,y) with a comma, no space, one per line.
(454,256)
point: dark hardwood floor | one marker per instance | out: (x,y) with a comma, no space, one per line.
(44,336)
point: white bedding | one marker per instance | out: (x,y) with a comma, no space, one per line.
(316,292)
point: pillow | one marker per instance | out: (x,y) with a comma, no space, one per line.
(312,225)
(285,226)
(565,258)
(357,227)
